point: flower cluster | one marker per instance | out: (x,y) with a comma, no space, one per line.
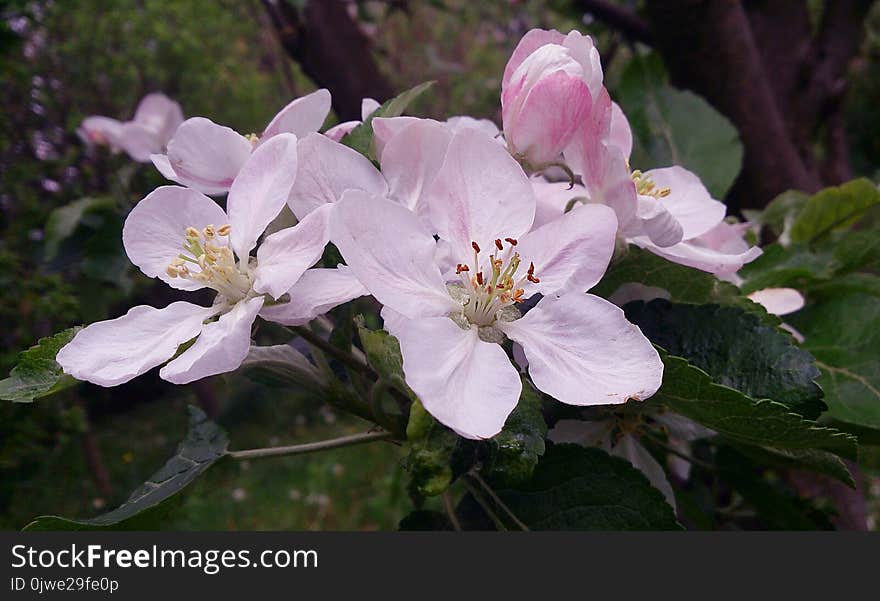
(474,255)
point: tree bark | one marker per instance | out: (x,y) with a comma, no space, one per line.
(332,51)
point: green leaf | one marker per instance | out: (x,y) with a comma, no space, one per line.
(361,137)
(688,390)
(204,445)
(683,284)
(383,354)
(513,453)
(843,333)
(37,374)
(815,460)
(676,127)
(432,447)
(834,209)
(736,349)
(63,221)
(782,211)
(580,488)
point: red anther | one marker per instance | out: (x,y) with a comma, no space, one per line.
(475,246)
(500,286)
(480,278)
(461,267)
(512,241)
(498,244)
(533,279)
(531,268)
(489,289)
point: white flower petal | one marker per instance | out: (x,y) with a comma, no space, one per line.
(656,222)
(101,130)
(221,347)
(587,434)
(572,252)
(285,255)
(260,191)
(620,134)
(411,160)
(139,141)
(385,128)
(480,194)
(392,253)
(368,107)
(112,352)
(465,383)
(326,170)
(302,116)
(160,114)
(460,122)
(583,351)
(207,156)
(779,301)
(155,229)
(315,293)
(552,199)
(689,201)
(629,448)
(693,253)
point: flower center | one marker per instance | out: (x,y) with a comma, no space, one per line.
(645,187)
(210,262)
(489,288)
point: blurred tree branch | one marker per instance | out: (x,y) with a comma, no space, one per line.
(331,50)
(767,67)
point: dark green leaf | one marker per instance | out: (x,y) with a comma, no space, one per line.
(815,460)
(579,488)
(432,447)
(834,209)
(736,349)
(843,333)
(782,211)
(383,354)
(689,391)
(361,137)
(63,221)
(204,445)
(37,374)
(513,454)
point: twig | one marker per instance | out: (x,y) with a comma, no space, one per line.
(482,503)
(498,500)
(311,447)
(450,511)
(625,21)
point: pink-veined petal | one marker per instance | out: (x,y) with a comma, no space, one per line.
(207,156)
(302,116)
(411,161)
(548,119)
(620,134)
(693,253)
(326,170)
(368,107)
(480,194)
(385,128)
(778,301)
(155,230)
(100,130)
(112,352)
(583,351)
(688,201)
(260,191)
(552,198)
(530,42)
(584,51)
(392,254)
(285,255)
(139,141)
(318,291)
(465,383)
(220,348)
(160,114)
(340,130)
(572,252)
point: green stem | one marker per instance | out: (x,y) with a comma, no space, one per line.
(311,447)
(482,503)
(346,358)
(499,502)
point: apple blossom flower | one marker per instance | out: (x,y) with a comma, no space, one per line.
(450,323)
(667,211)
(206,156)
(156,119)
(547,90)
(186,240)
(339,131)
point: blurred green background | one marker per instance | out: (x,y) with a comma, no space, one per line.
(81,452)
